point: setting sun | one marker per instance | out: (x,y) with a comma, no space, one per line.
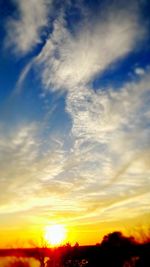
(55,234)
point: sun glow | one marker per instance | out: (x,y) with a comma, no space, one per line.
(55,234)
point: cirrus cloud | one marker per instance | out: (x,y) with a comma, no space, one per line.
(23,32)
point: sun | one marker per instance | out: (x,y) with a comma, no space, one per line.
(55,234)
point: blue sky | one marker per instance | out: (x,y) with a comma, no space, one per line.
(74,110)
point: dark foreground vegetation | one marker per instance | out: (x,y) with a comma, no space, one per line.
(115,250)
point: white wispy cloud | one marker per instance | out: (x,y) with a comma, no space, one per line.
(116,122)
(139,71)
(23,32)
(99,114)
(29,166)
(19,85)
(71,60)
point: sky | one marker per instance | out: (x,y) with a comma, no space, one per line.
(74,117)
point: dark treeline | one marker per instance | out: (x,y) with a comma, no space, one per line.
(115,250)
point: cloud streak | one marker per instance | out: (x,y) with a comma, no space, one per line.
(23,32)
(69,61)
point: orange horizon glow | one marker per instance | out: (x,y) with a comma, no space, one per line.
(87,234)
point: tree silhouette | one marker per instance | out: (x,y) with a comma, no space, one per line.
(117,249)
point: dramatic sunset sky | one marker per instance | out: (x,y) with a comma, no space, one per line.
(74,118)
